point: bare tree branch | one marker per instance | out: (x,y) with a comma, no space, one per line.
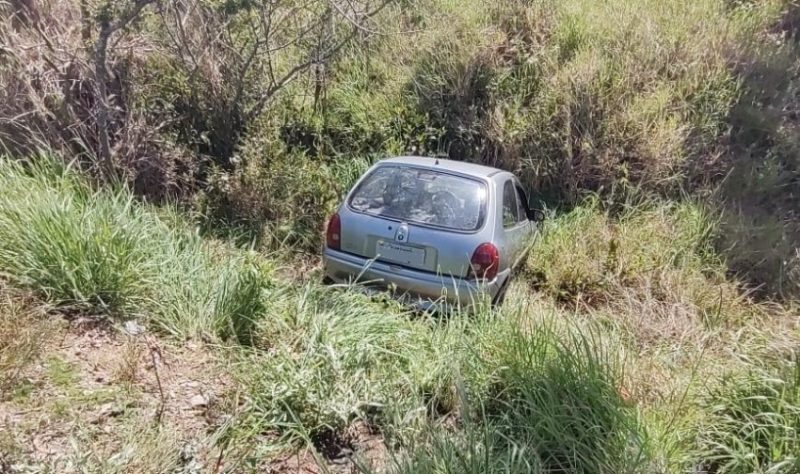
(108,28)
(289,76)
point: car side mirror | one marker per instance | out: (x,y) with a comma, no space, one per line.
(536,215)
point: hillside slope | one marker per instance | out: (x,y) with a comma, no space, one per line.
(643,359)
(167,168)
(616,97)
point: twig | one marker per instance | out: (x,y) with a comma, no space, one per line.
(221,456)
(153,350)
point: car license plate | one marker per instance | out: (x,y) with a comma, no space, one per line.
(402,254)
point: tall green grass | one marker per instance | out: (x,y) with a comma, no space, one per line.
(101,251)
(330,357)
(532,387)
(546,402)
(752,422)
(522,398)
(61,239)
(592,250)
(646,252)
(324,358)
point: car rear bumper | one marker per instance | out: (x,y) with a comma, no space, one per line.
(413,285)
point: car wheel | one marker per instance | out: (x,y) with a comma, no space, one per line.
(498,299)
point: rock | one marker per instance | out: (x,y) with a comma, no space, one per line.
(108,410)
(133,328)
(198,401)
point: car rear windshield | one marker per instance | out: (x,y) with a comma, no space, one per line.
(422,196)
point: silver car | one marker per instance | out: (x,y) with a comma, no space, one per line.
(432,230)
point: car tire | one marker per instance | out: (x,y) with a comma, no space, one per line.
(326,280)
(500,297)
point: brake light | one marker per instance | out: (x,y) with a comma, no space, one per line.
(485,261)
(333,235)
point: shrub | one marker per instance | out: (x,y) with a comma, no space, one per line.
(278,199)
(590,254)
(581,95)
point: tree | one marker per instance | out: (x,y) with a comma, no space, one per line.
(242,53)
(110,21)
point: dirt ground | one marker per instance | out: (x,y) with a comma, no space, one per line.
(117,398)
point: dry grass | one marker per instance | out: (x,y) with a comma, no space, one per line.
(82,408)
(24,331)
(127,371)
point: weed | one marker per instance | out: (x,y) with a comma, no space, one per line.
(127,372)
(61,373)
(550,405)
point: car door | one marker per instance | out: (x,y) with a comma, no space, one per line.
(522,202)
(515,224)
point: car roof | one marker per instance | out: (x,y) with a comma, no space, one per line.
(462,167)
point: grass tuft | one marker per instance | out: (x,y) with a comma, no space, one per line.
(752,422)
(103,252)
(550,404)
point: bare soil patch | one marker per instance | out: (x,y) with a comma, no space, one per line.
(103,397)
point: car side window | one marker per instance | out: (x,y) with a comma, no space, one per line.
(522,204)
(510,208)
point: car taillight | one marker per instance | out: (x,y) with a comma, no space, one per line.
(485,261)
(333,236)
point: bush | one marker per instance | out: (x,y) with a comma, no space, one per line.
(277,199)
(590,255)
(580,95)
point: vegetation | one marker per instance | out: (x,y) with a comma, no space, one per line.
(532,388)
(20,340)
(753,420)
(102,251)
(172,164)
